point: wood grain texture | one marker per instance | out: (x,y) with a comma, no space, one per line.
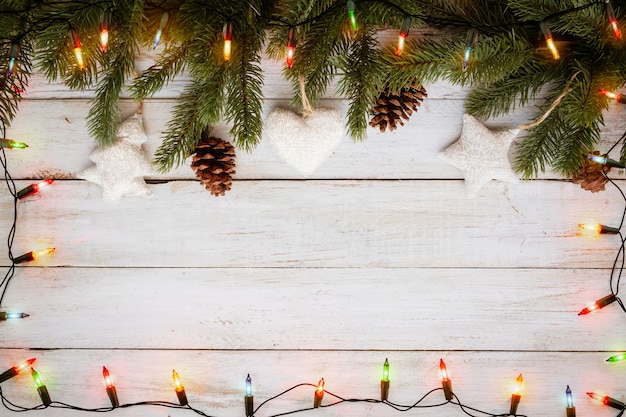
(367,224)
(214,380)
(323,309)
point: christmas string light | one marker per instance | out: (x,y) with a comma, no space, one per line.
(11,372)
(77,48)
(227,33)
(445,381)
(33,188)
(598,304)
(570,410)
(608,401)
(12,144)
(547,34)
(5,315)
(165,17)
(41,388)
(404,33)
(470,41)
(33,256)
(110,388)
(605,160)
(384,382)
(610,15)
(291,46)
(180,390)
(249,399)
(104,30)
(319,394)
(597,229)
(13,54)
(517,394)
(618,97)
(351,14)
(617,358)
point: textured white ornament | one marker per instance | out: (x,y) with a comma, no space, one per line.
(120,168)
(482,154)
(304,142)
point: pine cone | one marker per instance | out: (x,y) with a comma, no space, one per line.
(590,176)
(214,163)
(390,108)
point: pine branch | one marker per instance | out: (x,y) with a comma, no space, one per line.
(152,80)
(361,82)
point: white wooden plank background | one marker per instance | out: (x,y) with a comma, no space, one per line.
(379,254)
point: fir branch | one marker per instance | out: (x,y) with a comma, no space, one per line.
(171,63)
(244,98)
(361,82)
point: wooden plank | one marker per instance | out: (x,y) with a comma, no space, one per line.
(279,308)
(319,224)
(214,380)
(60,144)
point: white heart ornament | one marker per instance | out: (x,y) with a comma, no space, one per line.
(304,142)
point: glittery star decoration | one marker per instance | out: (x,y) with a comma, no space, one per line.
(120,168)
(482,154)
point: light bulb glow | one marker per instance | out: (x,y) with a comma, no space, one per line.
(11,372)
(178,386)
(19,368)
(248,386)
(228,37)
(519,385)
(104,30)
(605,160)
(617,358)
(404,33)
(386,370)
(6,315)
(11,144)
(165,17)
(608,401)
(549,41)
(610,15)
(76,47)
(470,41)
(443,370)
(595,229)
(37,378)
(43,252)
(320,386)
(107,377)
(601,303)
(15,50)
(568,397)
(351,14)
(291,46)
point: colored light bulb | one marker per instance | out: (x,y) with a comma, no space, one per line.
(291,46)
(41,388)
(601,303)
(617,358)
(319,394)
(165,17)
(249,399)
(547,34)
(470,41)
(228,37)
(13,54)
(404,33)
(11,372)
(605,160)
(76,47)
(570,410)
(606,400)
(110,388)
(11,144)
(384,382)
(445,381)
(5,315)
(588,229)
(351,14)
(104,30)
(180,390)
(610,15)
(32,256)
(620,98)
(517,394)
(33,188)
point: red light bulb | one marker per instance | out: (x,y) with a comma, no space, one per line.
(319,394)
(601,303)
(291,46)
(110,388)
(445,381)
(11,372)
(33,188)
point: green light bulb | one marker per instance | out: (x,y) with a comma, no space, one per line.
(617,358)
(37,378)
(386,371)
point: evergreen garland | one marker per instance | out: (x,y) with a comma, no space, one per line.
(509,66)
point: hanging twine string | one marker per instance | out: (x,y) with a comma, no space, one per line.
(556,102)
(306,106)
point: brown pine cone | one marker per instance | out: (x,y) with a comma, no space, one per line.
(391,108)
(214,163)
(590,176)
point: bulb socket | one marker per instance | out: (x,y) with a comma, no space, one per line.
(384,390)
(43,394)
(515,399)
(112,393)
(182,397)
(249,403)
